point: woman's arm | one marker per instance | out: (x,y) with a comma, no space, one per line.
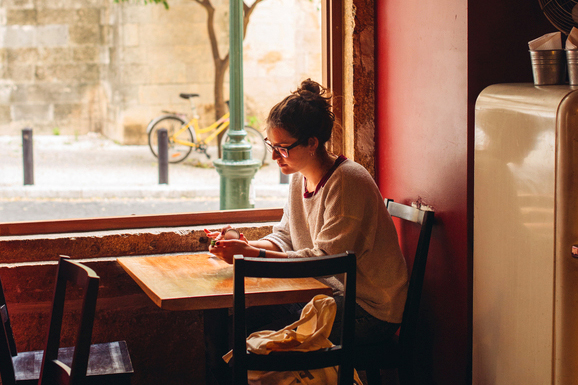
(265,244)
(227,249)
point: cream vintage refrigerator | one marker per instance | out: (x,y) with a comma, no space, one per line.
(525,265)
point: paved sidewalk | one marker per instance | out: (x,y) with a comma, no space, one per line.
(92,167)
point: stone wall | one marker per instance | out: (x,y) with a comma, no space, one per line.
(156,55)
(363,64)
(80,66)
(282,48)
(51,58)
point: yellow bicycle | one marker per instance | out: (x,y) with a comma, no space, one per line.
(184,136)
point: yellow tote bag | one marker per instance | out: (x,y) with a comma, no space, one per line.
(313,330)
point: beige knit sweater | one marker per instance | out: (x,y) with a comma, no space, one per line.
(348,213)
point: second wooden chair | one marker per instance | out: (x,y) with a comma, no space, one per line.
(105,363)
(398,353)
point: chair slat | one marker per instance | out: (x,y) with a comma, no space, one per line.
(406,212)
(293,267)
(292,361)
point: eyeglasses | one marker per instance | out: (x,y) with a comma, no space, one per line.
(283,151)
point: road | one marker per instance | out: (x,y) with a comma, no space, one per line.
(91,176)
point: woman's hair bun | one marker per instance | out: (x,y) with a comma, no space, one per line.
(306,113)
(309,86)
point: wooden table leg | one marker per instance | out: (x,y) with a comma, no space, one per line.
(216,333)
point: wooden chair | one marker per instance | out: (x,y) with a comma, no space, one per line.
(398,353)
(341,355)
(104,363)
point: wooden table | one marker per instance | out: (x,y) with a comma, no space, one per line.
(204,282)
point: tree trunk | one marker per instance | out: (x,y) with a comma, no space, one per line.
(221,65)
(220,71)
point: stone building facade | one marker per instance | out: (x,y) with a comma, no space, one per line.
(79,66)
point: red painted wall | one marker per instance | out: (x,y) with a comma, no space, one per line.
(433,59)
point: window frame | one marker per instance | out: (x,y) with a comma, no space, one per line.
(59,226)
(333,67)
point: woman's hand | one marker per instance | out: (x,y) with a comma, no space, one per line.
(226,249)
(213,234)
(218,234)
(227,232)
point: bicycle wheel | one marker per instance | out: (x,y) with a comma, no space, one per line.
(172,123)
(258,150)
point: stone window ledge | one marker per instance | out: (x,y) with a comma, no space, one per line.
(124,236)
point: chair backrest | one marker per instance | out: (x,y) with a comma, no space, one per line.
(425,219)
(6,322)
(339,355)
(54,371)
(7,344)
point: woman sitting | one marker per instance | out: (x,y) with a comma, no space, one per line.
(333,206)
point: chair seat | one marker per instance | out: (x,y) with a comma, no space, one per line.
(106,359)
(385,355)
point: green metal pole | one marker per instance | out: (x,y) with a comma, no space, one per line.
(236,168)
(236,69)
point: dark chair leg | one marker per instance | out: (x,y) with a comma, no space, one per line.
(216,344)
(405,376)
(373,376)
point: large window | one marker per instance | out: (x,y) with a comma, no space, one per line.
(91,131)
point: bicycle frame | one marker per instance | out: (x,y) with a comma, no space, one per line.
(218,127)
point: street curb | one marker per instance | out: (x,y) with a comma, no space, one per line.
(132,192)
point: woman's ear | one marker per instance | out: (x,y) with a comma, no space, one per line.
(313,143)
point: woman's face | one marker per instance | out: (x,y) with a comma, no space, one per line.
(299,156)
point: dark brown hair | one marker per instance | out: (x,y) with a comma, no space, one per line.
(306,113)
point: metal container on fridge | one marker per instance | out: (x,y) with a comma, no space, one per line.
(548,66)
(572,60)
